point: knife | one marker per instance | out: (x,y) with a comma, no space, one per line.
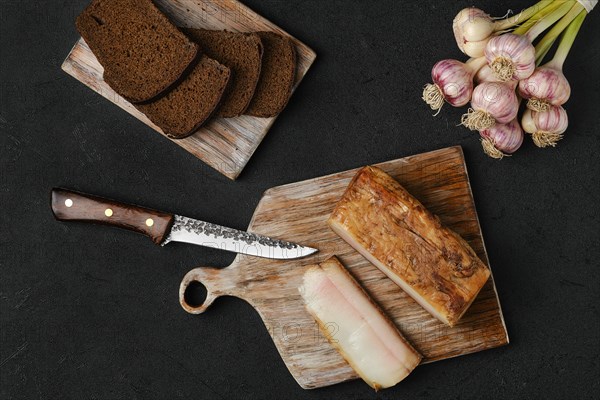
(163,227)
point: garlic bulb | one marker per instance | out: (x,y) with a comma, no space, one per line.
(547,127)
(502,139)
(511,57)
(452,82)
(546,87)
(472,25)
(527,122)
(476,49)
(492,102)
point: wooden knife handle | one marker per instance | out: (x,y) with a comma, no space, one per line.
(73,206)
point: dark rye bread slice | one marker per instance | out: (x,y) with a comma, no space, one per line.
(277,76)
(242,54)
(189,105)
(142,52)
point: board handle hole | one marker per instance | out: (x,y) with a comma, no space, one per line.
(195,294)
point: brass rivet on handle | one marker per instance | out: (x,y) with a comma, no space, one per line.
(69,203)
(149,222)
(108,212)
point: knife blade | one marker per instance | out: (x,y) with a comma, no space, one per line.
(163,228)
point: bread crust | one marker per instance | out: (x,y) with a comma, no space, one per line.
(242,54)
(277,77)
(191,104)
(143,54)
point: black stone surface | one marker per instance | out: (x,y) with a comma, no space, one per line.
(92,313)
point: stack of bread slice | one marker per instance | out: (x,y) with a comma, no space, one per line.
(180,79)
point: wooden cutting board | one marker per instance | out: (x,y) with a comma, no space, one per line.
(298,212)
(226,144)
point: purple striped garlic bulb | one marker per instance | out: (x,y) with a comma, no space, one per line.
(502,139)
(452,82)
(492,102)
(510,56)
(546,127)
(546,87)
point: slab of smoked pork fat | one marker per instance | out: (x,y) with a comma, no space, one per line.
(355,325)
(395,232)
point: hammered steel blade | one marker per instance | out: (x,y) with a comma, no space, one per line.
(189,230)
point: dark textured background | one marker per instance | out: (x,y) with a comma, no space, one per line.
(92,313)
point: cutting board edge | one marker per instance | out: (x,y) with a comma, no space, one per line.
(485,248)
(269,191)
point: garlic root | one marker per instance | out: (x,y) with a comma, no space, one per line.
(546,139)
(433,96)
(503,69)
(477,120)
(538,105)
(490,149)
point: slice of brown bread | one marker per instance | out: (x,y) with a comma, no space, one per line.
(277,76)
(189,105)
(242,54)
(142,52)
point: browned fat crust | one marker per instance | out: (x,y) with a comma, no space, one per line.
(142,52)
(242,54)
(392,229)
(187,107)
(277,76)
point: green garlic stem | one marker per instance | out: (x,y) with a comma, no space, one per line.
(550,19)
(548,40)
(521,30)
(539,57)
(566,42)
(523,16)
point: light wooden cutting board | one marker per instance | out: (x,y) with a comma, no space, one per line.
(226,144)
(298,212)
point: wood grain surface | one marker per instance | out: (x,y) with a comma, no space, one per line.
(226,144)
(299,212)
